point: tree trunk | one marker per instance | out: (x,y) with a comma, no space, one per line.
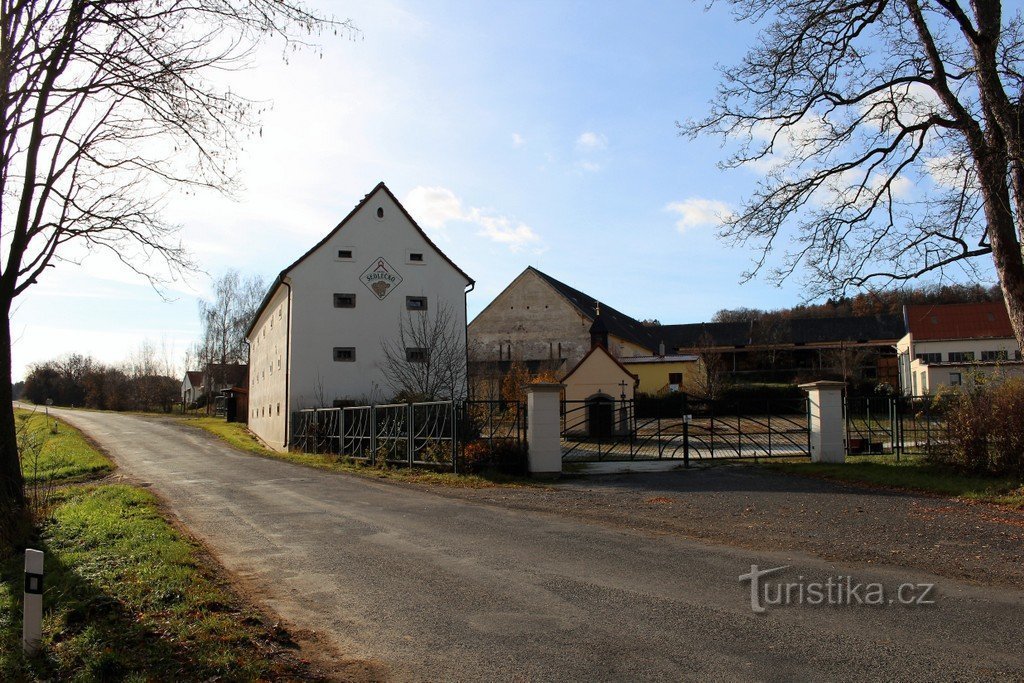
(1002,235)
(12,484)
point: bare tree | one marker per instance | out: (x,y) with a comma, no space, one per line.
(712,378)
(226,318)
(105,108)
(428,359)
(848,360)
(889,134)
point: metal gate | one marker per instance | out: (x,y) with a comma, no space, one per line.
(613,431)
(893,425)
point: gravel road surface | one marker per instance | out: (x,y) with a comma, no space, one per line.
(442,587)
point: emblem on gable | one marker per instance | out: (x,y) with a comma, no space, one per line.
(380,278)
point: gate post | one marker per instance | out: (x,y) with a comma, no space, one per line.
(825,424)
(543,428)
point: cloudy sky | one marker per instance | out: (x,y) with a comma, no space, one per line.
(525,133)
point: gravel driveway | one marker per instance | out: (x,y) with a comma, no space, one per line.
(757,508)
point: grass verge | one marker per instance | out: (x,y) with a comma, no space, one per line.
(126,596)
(55,457)
(913,473)
(238,436)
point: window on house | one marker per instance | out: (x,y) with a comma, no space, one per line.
(416,355)
(380,212)
(345,254)
(344,300)
(416,303)
(961,356)
(929,357)
(675,378)
(278,408)
(955,379)
(344,354)
(416,256)
(994,356)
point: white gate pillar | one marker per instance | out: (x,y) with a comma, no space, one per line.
(544,428)
(825,420)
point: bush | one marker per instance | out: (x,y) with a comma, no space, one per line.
(504,456)
(985,428)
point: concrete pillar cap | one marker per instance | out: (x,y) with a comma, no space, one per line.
(823,384)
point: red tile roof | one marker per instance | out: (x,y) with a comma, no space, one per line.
(959,321)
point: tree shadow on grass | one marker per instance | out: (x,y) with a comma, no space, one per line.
(90,634)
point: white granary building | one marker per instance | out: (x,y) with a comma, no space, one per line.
(319,334)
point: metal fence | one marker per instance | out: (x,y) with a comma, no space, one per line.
(894,425)
(446,434)
(609,430)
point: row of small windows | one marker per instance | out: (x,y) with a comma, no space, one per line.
(967,356)
(260,412)
(347,354)
(349,254)
(348,300)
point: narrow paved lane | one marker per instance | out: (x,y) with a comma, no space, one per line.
(443,589)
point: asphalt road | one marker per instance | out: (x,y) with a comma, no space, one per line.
(438,588)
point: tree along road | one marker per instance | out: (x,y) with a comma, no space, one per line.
(444,589)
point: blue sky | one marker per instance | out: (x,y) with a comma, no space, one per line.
(525,133)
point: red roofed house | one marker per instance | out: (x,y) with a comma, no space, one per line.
(947,344)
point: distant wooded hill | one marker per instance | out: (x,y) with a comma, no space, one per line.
(870,303)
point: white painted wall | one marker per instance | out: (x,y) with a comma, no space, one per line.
(930,379)
(268,372)
(318,326)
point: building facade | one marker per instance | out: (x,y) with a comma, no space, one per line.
(322,334)
(538,318)
(948,345)
(544,324)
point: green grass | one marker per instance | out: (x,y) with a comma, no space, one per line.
(126,596)
(55,458)
(912,473)
(238,436)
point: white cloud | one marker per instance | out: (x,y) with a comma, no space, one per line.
(696,212)
(948,171)
(907,104)
(518,140)
(588,166)
(798,138)
(590,140)
(436,207)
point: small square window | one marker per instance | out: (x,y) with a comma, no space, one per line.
(344,354)
(416,355)
(416,303)
(345,254)
(344,300)
(415,257)
(955,379)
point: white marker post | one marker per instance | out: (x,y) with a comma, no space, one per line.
(32,625)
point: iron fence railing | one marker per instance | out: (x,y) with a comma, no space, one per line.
(446,434)
(606,430)
(894,425)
